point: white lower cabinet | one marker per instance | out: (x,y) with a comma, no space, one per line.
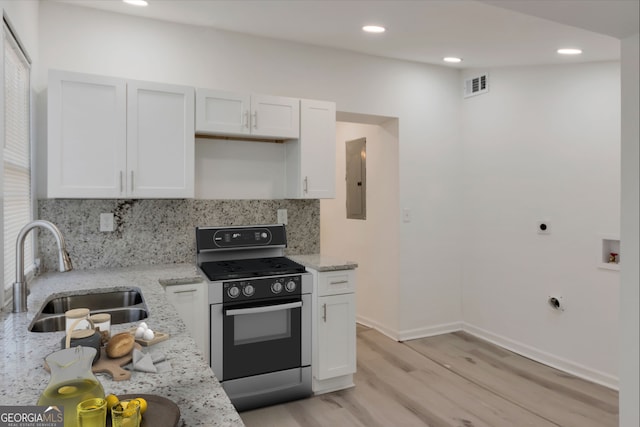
(190,301)
(334,326)
(336,336)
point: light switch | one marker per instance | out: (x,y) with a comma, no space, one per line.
(406,215)
(106,222)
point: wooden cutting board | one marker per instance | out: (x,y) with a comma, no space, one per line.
(158,337)
(161,412)
(113,367)
(110,366)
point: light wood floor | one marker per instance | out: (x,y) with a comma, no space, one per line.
(452,380)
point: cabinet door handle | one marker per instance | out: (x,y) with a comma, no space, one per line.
(245,119)
(187,291)
(306,185)
(324,312)
(121,182)
(132,181)
(339,282)
(254,119)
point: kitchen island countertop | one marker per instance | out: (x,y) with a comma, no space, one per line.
(323,262)
(191,384)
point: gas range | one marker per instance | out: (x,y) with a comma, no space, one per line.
(260,314)
(249,258)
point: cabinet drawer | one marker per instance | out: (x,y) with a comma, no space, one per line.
(336,282)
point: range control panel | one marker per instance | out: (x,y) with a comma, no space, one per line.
(217,238)
(245,290)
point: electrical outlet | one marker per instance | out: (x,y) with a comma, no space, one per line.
(106,222)
(282,216)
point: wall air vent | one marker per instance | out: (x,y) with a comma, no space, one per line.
(476,85)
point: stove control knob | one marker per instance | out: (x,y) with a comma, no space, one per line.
(264,235)
(233,292)
(276,287)
(290,286)
(248,290)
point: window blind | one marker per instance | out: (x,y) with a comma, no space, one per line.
(16,179)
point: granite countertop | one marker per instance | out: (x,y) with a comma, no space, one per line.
(191,383)
(323,262)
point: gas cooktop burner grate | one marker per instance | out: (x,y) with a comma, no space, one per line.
(251,267)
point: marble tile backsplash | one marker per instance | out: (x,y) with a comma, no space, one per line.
(154,231)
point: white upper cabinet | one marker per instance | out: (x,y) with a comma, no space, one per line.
(236,114)
(222,113)
(275,116)
(111,138)
(160,140)
(311,160)
(87,135)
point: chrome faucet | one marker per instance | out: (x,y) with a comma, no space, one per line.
(20,285)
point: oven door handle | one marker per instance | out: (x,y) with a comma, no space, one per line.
(263,309)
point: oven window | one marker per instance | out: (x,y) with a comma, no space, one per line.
(260,342)
(254,328)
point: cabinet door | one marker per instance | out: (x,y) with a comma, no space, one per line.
(86,135)
(317,149)
(275,117)
(160,141)
(222,113)
(336,336)
(190,303)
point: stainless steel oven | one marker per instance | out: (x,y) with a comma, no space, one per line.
(260,314)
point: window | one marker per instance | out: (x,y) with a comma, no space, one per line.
(17,207)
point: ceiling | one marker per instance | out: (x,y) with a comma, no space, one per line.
(485,33)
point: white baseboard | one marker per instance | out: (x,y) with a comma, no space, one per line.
(431,331)
(412,333)
(378,327)
(545,358)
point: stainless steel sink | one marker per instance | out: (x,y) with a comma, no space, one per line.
(94,302)
(124,305)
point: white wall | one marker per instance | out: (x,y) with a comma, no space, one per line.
(565,173)
(544,144)
(630,230)
(372,243)
(256,168)
(431,192)
(425,99)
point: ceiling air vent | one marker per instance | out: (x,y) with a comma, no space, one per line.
(476,85)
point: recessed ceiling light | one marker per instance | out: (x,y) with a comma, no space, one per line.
(452,59)
(136,2)
(571,51)
(373,29)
